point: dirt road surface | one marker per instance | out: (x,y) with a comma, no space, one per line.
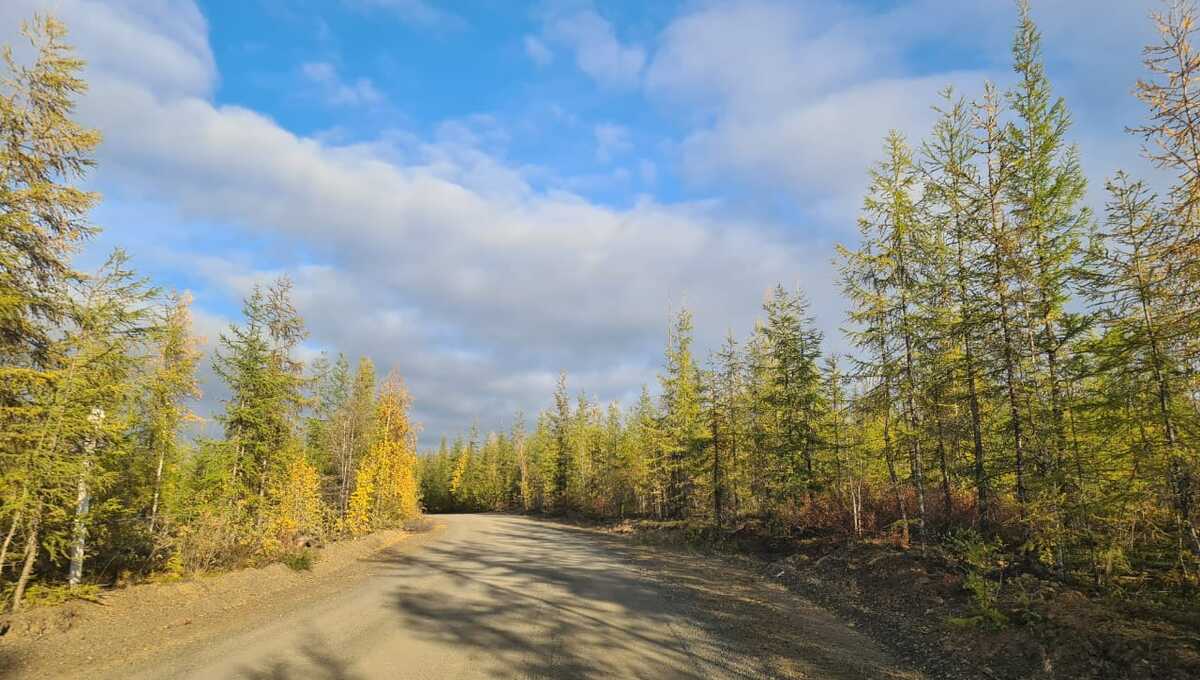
(496,596)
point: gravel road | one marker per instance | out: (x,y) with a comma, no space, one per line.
(497,596)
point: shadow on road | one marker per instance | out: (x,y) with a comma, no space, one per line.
(546,600)
(314,660)
(512,597)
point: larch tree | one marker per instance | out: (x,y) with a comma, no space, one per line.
(1172,136)
(863,274)
(44,218)
(950,172)
(683,430)
(73,438)
(328,394)
(1131,264)
(885,311)
(726,422)
(171,382)
(1044,193)
(353,431)
(1002,268)
(559,425)
(265,381)
(387,492)
(643,426)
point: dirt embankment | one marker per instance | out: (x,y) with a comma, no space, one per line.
(83,638)
(917,606)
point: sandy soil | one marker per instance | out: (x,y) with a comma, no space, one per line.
(86,639)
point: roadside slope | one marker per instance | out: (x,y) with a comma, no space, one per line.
(143,622)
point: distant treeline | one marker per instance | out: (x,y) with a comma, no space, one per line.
(1023,370)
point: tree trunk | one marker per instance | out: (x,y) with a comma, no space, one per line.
(31,551)
(891,466)
(157,489)
(1014,406)
(969,369)
(914,424)
(981,481)
(83,502)
(12,530)
(718,488)
(947,499)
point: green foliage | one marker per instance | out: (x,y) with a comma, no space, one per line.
(792,396)
(42,595)
(982,564)
(300,560)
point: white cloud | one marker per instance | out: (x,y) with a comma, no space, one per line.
(797,96)
(536,50)
(337,92)
(611,140)
(435,255)
(598,51)
(161,44)
(819,148)
(756,55)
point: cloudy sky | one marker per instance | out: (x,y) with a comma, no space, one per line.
(480,193)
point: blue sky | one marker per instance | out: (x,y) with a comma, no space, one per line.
(482,193)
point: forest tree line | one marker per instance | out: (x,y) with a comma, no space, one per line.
(98,371)
(1024,372)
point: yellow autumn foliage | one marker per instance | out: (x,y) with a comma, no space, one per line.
(296,502)
(360,514)
(387,491)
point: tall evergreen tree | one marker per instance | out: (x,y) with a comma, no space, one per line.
(683,430)
(172,382)
(265,384)
(558,424)
(1131,266)
(887,259)
(950,173)
(792,346)
(1044,192)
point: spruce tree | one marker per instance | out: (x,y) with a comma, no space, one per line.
(559,423)
(792,346)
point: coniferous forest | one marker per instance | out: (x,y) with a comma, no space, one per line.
(98,480)
(1020,376)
